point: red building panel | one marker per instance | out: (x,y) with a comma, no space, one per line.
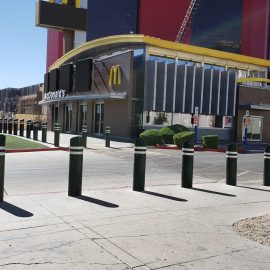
(54,46)
(255,28)
(162,19)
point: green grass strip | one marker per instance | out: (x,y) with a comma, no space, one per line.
(13,142)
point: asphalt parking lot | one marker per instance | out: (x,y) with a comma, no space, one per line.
(113,168)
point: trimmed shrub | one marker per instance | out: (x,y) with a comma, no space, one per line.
(210,141)
(151,137)
(167,135)
(178,128)
(182,137)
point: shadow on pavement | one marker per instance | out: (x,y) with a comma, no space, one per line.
(259,189)
(164,196)
(214,192)
(97,201)
(14,210)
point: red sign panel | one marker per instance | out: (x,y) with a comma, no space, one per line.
(196,119)
(246,121)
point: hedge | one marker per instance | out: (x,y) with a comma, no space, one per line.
(210,141)
(178,128)
(151,137)
(182,137)
(167,134)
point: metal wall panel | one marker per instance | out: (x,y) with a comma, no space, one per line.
(190,87)
(207,91)
(180,88)
(170,87)
(231,94)
(160,86)
(224,84)
(198,88)
(215,92)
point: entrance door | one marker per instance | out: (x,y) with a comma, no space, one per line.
(99,118)
(82,116)
(68,113)
(254,130)
(55,115)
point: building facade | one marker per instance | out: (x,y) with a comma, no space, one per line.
(125,81)
(150,76)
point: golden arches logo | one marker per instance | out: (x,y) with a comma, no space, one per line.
(115,75)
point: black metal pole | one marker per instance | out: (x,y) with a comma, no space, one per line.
(21,127)
(75,167)
(15,127)
(1,125)
(231,165)
(10,124)
(139,165)
(35,131)
(187,163)
(28,129)
(44,132)
(5,125)
(84,135)
(266,173)
(56,134)
(2,165)
(107,136)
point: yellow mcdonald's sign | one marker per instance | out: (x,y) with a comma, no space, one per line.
(115,75)
(77,2)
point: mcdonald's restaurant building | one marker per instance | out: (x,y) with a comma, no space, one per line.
(128,81)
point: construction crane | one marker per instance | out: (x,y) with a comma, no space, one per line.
(192,6)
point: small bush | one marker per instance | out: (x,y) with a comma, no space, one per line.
(167,134)
(151,137)
(210,141)
(178,128)
(182,137)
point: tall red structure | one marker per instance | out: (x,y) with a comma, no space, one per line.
(255,28)
(54,46)
(162,19)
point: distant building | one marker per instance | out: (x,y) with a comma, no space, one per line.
(21,100)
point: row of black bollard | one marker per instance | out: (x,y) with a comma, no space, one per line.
(187,165)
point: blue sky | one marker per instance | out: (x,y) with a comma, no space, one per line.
(22,44)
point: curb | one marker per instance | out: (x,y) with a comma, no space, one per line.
(200,149)
(37,150)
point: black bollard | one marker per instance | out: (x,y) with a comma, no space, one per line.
(56,134)
(15,127)
(75,167)
(44,132)
(1,125)
(107,136)
(84,135)
(10,124)
(139,165)
(28,129)
(2,165)
(5,125)
(231,165)
(35,131)
(266,171)
(187,163)
(21,127)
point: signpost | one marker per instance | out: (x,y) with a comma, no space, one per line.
(246,123)
(196,122)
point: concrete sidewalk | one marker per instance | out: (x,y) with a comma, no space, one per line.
(166,227)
